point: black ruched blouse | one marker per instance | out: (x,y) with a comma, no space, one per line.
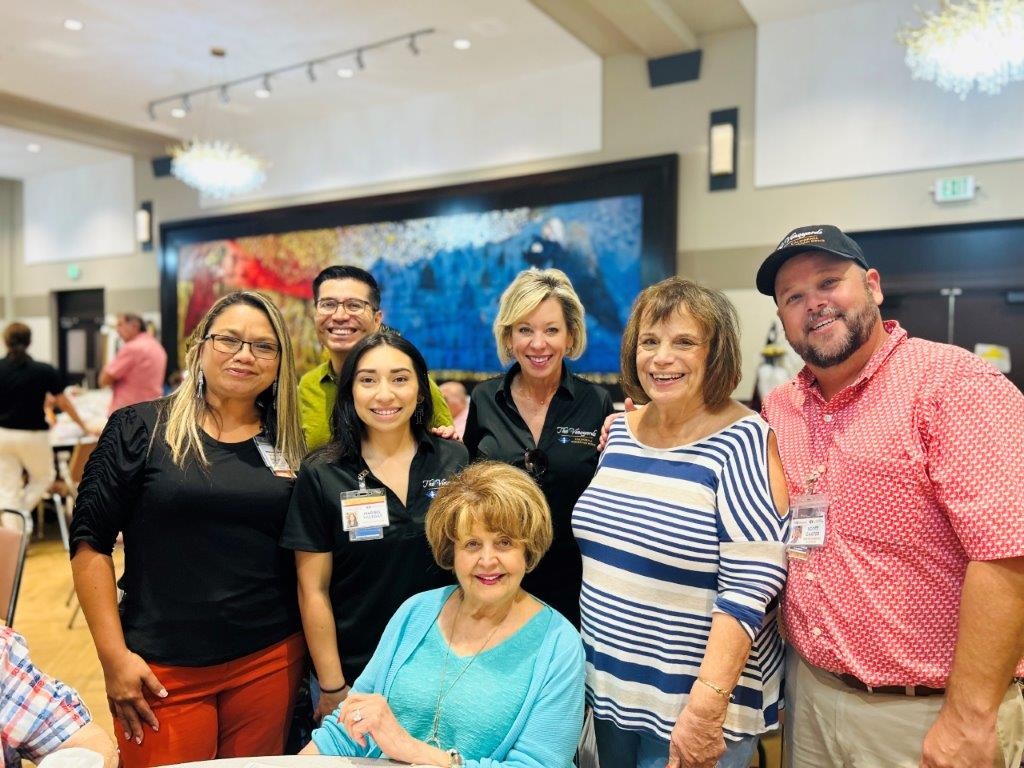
(205,581)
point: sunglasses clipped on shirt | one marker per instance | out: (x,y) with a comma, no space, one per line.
(535,462)
(229,345)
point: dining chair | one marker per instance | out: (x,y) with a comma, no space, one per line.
(14,534)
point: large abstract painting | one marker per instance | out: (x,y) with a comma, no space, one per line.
(442,274)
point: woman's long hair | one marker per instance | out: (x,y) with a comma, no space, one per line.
(17,337)
(185,409)
(347,429)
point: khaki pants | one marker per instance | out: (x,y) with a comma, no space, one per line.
(830,724)
(29,450)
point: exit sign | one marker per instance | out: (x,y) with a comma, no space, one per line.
(954,189)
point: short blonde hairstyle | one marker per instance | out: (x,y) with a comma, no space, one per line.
(715,315)
(525,294)
(498,496)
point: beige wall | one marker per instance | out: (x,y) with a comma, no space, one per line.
(722,235)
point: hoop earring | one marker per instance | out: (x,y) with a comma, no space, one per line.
(200,385)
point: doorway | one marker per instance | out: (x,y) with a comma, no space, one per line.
(977,315)
(79,335)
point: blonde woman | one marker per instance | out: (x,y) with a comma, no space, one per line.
(542,418)
(204,656)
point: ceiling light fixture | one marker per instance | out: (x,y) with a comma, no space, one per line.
(225,97)
(73,25)
(263,92)
(411,39)
(973,44)
(217,168)
(178,112)
(461,44)
(34,148)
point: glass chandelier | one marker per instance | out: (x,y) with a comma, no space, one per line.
(217,169)
(976,43)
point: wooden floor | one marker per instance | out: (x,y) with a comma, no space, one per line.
(42,618)
(68,654)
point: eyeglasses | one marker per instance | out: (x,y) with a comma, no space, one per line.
(352,306)
(229,345)
(535,462)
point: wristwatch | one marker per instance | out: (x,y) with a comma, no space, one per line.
(454,759)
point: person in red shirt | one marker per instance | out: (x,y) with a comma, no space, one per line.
(905,620)
(136,374)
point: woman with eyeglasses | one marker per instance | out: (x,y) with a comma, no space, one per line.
(356,520)
(204,654)
(682,532)
(542,418)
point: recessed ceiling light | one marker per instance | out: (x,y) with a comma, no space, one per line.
(461,44)
(262,93)
(34,148)
(178,112)
(74,25)
(346,72)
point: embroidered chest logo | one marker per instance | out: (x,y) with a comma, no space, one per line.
(432,485)
(577,436)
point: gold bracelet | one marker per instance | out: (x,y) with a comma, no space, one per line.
(717,689)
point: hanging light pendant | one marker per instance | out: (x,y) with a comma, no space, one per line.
(217,169)
(973,44)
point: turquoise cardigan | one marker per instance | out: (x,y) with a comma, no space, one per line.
(547,729)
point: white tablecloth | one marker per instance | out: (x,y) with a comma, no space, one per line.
(293,761)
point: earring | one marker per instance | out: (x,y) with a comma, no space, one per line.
(200,384)
(273,390)
(419,414)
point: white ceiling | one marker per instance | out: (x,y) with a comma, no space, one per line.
(130,53)
(16,162)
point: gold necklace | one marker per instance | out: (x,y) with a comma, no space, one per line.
(442,694)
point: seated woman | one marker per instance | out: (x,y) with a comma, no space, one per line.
(428,694)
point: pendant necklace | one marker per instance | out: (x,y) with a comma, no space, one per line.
(442,694)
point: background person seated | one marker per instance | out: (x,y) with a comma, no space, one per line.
(40,714)
(479,674)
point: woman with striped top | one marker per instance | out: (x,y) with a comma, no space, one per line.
(681,532)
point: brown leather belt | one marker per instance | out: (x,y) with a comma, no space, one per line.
(896,690)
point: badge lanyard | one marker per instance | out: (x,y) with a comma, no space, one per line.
(807,513)
(364,512)
(275,462)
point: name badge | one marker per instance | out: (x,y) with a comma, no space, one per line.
(807,513)
(364,514)
(272,458)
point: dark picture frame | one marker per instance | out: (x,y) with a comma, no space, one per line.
(653,179)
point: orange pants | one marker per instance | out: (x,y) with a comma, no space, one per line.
(240,708)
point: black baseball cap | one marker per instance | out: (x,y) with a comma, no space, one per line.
(816,237)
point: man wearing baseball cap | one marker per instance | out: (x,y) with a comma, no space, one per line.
(904,606)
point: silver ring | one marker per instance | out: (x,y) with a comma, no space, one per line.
(357,716)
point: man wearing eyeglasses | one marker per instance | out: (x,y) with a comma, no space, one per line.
(346,309)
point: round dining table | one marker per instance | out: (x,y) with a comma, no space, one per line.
(296,761)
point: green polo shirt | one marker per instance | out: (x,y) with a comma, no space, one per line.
(318,392)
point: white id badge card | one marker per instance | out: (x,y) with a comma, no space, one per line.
(364,514)
(807,522)
(274,460)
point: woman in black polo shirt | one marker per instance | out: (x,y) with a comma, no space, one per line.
(542,418)
(356,520)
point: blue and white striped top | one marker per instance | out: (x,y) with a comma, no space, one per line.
(668,537)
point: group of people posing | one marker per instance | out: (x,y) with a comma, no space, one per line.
(463,602)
